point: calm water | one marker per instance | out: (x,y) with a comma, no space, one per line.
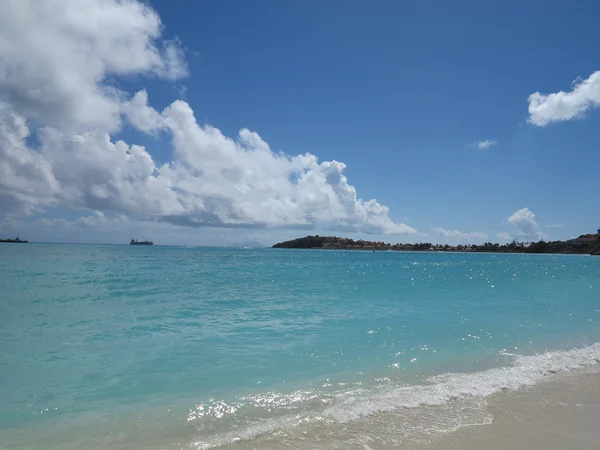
(173,347)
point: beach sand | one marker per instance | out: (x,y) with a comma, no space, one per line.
(562,413)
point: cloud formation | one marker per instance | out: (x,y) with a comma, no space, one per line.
(524,221)
(458,234)
(562,106)
(60,105)
(59,60)
(483,145)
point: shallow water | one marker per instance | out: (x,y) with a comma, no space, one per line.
(173,347)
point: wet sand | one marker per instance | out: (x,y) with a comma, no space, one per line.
(562,413)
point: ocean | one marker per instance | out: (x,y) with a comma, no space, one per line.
(125,347)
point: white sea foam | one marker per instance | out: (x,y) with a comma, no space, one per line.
(468,390)
(526,371)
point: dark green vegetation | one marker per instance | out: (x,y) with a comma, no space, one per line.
(584,244)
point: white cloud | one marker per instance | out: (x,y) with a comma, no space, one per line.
(554,225)
(110,228)
(57,58)
(505,236)
(524,221)
(483,145)
(24,174)
(95,221)
(58,66)
(563,106)
(141,116)
(459,234)
(95,227)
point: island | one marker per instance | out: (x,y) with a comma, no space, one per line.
(584,244)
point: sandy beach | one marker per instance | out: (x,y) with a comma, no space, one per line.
(562,413)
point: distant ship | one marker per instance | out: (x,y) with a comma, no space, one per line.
(15,240)
(136,242)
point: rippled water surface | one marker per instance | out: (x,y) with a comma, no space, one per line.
(173,347)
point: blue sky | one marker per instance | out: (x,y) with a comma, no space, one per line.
(400,93)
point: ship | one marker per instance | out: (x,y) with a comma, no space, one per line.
(15,240)
(136,242)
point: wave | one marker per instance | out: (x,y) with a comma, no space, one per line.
(440,404)
(526,371)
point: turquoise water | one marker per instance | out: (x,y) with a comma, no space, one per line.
(175,347)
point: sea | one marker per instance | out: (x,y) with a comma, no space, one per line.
(129,347)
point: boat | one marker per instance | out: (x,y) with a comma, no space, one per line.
(15,240)
(136,242)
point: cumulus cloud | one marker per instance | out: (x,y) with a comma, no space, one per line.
(24,174)
(57,58)
(459,234)
(524,221)
(483,145)
(58,66)
(562,106)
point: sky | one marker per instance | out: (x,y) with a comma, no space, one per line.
(247,123)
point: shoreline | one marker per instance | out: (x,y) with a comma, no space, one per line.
(584,244)
(561,412)
(470,252)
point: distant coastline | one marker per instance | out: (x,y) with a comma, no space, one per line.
(584,244)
